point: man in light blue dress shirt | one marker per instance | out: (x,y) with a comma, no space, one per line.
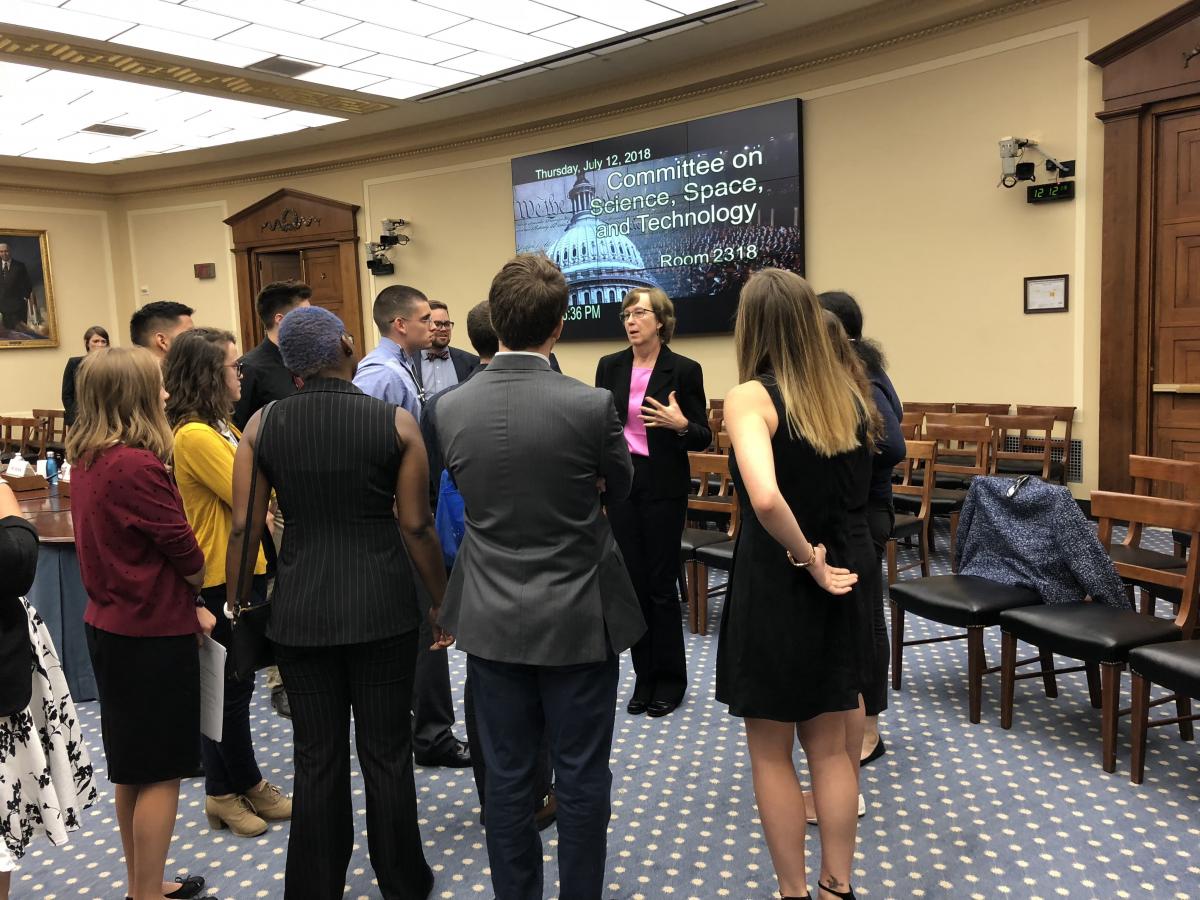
(389,372)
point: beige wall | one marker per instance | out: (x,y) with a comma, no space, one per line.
(902,209)
(82,269)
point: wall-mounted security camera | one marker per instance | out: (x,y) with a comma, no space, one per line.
(1012,170)
(393,240)
(377,260)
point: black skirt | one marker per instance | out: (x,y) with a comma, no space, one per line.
(149,705)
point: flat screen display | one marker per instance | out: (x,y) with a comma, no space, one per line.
(693,209)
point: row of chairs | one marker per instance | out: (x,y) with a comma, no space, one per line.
(32,435)
(1105,640)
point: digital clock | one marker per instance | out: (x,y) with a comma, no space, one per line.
(1048,193)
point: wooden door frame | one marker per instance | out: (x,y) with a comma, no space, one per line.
(292,220)
(1144,80)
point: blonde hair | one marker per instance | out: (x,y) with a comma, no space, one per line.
(781,333)
(664,309)
(119,402)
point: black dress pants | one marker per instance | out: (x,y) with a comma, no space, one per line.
(574,708)
(324,684)
(432,704)
(648,531)
(230,766)
(543,776)
(881,518)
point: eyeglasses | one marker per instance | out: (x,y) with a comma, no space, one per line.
(237,367)
(638,312)
(439,326)
(424,320)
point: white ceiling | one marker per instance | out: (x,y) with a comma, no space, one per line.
(406,49)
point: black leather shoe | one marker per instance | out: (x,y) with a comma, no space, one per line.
(659,708)
(545,816)
(189,886)
(636,707)
(456,756)
(279,700)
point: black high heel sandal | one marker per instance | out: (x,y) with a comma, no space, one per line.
(848,894)
(805,897)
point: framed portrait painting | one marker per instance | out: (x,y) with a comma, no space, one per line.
(27,317)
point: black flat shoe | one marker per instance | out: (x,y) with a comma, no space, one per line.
(659,708)
(636,707)
(880,749)
(189,887)
(456,756)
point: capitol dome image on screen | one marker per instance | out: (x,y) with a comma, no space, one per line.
(597,269)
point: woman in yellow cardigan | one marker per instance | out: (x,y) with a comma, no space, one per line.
(203,377)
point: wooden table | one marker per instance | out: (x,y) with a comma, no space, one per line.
(57,593)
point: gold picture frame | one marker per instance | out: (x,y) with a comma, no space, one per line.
(28,319)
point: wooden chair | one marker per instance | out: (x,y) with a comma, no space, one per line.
(929,407)
(1104,636)
(1032,434)
(988,409)
(969,447)
(923,454)
(56,427)
(722,443)
(911,424)
(1182,475)
(1175,666)
(714,497)
(24,435)
(1062,415)
(956,418)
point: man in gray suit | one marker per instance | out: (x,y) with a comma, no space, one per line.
(539,597)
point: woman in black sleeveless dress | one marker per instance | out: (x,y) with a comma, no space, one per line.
(792,635)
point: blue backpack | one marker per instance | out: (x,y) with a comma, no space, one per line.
(450,520)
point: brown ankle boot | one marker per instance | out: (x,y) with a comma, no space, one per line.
(232,811)
(269,802)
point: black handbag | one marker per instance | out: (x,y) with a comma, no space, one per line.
(250,649)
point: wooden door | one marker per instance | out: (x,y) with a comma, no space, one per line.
(322,267)
(1175,308)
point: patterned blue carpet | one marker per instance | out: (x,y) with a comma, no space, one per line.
(954,810)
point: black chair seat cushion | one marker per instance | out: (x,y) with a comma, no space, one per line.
(1029,467)
(1147,559)
(694,538)
(906,526)
(960,600)
(943,502)
(716,556)
(1175,666)
(1184,538)
(1088,631)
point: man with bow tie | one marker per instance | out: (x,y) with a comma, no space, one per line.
(443,366)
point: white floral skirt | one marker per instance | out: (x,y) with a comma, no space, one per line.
(45,772)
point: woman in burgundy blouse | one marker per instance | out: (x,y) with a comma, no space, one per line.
(142,570)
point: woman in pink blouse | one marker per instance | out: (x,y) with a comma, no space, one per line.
(142,570)
(660,398)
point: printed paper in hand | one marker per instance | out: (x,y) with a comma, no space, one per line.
(212,688)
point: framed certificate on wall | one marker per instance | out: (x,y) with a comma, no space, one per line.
(1046,294)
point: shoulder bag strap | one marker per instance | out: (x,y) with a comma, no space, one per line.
(245,564)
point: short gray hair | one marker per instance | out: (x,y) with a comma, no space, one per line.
(310,339)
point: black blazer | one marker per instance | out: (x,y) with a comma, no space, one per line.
(68,389)
(668,451)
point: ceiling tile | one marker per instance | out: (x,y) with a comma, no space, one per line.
(295,46)
(519,15)
(370,36)
(295,17)
(171,16)
(402,15)
(49,18)
(189,47)
(578,33)
(501,41)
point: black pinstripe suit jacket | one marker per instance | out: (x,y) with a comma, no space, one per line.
(331,454)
